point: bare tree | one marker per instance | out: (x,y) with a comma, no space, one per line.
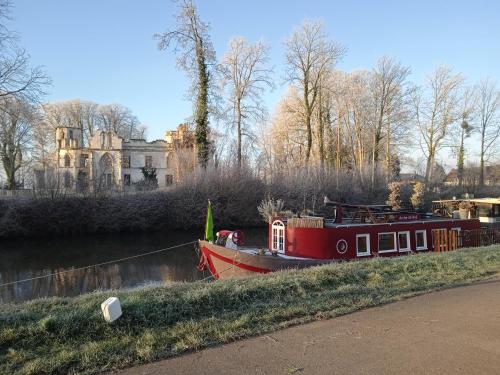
(356,115)
(310,54)
(83,115)
(43,143)
(464,128)
(90,116)
(245,72)
(390,91)
(489,121)
(121,120)
(17,77)
(287,132)
(192,38)
(436,112)
(16,125)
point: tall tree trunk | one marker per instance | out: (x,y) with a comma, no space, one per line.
(309,136)
(361,153)
(460,160)
(201,114)
(428,168)
(9,166)
(388,158)
(377,136)
(338,161)
(238,125)
(308,114)
(481,162)
(321,129)
(11,180)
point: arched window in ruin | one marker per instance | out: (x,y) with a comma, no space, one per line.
(67,161)
(106,167)
(106,162)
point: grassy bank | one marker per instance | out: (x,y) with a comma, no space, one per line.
(58,336)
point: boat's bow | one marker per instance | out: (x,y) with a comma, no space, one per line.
(226,263)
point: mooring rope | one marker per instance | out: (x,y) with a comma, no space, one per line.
(96,265)
(217,273)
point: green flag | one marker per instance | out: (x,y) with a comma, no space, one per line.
(209,228)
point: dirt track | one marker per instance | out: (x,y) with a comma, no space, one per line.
(456,331)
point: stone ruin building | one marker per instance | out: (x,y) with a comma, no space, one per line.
(110,162)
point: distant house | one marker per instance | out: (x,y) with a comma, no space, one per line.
(471,176)
(411,178)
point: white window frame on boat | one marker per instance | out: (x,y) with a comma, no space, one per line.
(368,250)
(424,232)
(395,243)
(406,249)
(278,233)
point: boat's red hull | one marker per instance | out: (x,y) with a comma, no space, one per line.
(225,263)
(305,246)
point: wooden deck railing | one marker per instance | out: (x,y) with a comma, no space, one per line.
(448,240)
(480,237)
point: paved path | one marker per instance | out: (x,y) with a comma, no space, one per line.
(456,331)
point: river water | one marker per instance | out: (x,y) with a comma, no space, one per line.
(31,258)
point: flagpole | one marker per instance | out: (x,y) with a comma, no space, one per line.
(209,226)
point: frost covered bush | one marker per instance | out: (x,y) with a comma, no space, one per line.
(269,207)
(235,202)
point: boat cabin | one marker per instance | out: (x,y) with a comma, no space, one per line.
(365,231)
(487,210)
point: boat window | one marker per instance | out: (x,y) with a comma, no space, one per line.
(362,245)
(387,242)
(278,236)
(421,239)
(484,210)
(404,241)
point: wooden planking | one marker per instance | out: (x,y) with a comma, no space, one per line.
(305,222)
(445,240)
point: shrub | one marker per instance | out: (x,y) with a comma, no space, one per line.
(418,197)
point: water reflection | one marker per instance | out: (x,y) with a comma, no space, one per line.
(23,259)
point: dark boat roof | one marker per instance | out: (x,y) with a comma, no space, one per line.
(473,200)
(346,224)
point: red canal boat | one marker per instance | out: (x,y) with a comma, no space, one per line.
(351,232)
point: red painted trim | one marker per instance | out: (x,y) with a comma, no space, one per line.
(211,266)
(231,261)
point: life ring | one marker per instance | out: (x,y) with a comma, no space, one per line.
(342,246)
(238,237)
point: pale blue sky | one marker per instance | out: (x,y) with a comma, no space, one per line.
(103,50)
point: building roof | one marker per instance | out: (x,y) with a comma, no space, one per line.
(411,177)
(491,172)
